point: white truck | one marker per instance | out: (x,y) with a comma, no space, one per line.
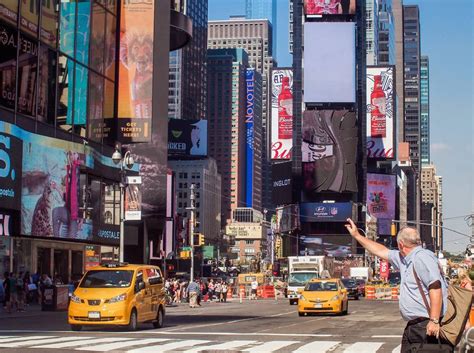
(302,269)
(361,273)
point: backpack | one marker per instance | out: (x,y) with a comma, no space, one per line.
(459,306)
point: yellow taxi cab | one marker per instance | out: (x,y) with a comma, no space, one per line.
(118,294)
(323,296)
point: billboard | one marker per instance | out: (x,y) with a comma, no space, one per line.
(287,218)
(249,127)
(187,138)
(381,191)
(245,231)
(282,185)
(10,171)
(135,71)
(282,114)
(9,11)
(380,112)
(331,7)
(314,212)
(133,203)
(329,62)
(335,246)
(329,151)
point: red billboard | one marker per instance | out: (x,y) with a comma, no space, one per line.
(329,7)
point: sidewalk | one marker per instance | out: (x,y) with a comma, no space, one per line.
(33,310)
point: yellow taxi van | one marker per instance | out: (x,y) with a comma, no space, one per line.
(118,294)
(323,296)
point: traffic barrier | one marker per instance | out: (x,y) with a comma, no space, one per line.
(268,292)
(229,292)
(395,293)
(242,292)
(369,292)
(259,292)
(383,293)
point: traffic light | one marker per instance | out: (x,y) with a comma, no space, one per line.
(201,239)
(393,230)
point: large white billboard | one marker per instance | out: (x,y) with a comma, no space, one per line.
(329,62)
(282,114)
(380,112)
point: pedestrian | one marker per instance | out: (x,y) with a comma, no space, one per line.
(253,288)
(210,289)
(422,326)
(7,291)
(20,292)
(225,288)
(193,292)
(218,291)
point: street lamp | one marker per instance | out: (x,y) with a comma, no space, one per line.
(125,162)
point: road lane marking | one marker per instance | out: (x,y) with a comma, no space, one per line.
(386,336)
(269,347)
(222,346)
(243,334)
(397,349)
(317,347)
(117,345)
(82,342)
(8,340)
(27,341)
(169,346)
(366,347)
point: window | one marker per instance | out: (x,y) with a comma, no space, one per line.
(27,68)
(46,85)
(8,65)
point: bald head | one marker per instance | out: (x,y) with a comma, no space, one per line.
(409,237)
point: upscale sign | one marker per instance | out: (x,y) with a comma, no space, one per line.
(327,212)
(245,231)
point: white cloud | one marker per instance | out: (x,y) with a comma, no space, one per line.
(440,147)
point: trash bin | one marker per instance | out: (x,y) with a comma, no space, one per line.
(55,298)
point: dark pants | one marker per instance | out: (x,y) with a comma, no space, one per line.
(415,332)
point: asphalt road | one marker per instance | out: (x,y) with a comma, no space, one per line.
(253,326)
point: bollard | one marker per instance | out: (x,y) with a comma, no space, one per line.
(240,295)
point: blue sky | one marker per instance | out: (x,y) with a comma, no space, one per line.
(447,38)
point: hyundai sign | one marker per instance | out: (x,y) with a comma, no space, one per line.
(326,212)
(249,122)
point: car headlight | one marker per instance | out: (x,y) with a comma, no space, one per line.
(336,297)
(116,299)
(301,297)
(76,299)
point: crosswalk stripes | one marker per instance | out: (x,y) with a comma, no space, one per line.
(168,346)
(81,342)
(269,346)
(317,347)
(173,344)
(230,345)
(120,345)
(397,349)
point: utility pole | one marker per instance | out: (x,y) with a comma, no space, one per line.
(192,198)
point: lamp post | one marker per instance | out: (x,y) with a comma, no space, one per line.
(125,162)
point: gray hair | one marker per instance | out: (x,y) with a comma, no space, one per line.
(409,236)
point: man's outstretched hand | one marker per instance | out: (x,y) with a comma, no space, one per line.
(352,228)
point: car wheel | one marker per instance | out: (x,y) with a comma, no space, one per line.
(76,327)
(293,302)
(347,309)
(300,313)
(133,323)
(160,317)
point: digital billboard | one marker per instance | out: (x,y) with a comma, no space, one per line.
(249,127)
(329,151)
(335,246)
(10,171)
(313,212)
(329,62)
(135,72)
(282,185)
(282,114)
(381,200)
(187,137)
(287,218)
(380,112)
(329,7)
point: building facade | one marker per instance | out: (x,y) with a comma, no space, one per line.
(425,109)
(255,37)
(386,31)
(264,9)
(187,68)
(59,119)
(207,180)
(227,90)
(372,31)
(432,205)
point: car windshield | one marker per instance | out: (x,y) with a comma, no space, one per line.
(107,279)
(300,279)
(349,283)
(321,287)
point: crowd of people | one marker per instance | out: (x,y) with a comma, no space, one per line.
(181,290)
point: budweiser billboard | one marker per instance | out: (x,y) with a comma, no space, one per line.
(282,114)
(380,112)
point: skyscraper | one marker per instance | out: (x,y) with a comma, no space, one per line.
(187,71)
(411,38)
(386,31)
(226,85)
(255,37)
(371,32)
(425,109)
(264,10)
